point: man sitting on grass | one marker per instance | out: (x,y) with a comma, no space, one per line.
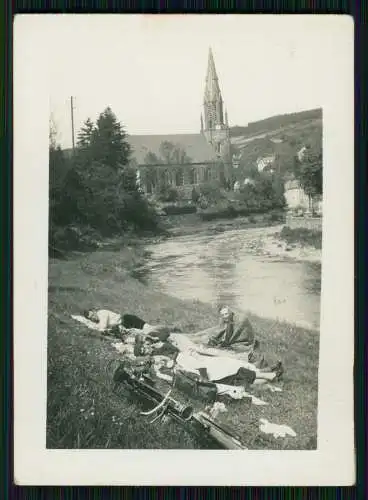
(228,336)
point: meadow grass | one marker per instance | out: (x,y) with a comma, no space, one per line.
(303,236)
(84,412)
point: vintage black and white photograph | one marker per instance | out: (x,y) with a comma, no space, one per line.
(185,236)
(189,159)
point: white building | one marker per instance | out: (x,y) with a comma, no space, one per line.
(296,197)
(262,163)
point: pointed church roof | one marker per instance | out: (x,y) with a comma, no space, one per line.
(212,90)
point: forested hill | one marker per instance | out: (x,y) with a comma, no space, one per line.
(273,123)
(280,137)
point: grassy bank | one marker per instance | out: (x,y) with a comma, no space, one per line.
(302,236)
(83,412)
(182,225)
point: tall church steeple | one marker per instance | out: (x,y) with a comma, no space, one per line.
(213,104)
(216,129)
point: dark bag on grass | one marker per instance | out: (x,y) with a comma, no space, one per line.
(191,385)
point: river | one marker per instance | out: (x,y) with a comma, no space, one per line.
(234,267)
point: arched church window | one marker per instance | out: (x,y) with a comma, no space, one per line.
(206,174)
(193,176)
(179,177)
(167,177)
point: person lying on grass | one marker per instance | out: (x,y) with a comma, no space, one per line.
(245,376)
(227,335)
(227,370)
(220,369)
(115,324)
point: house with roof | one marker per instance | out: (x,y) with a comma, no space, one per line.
(186,160)
(265,162)
(296,198)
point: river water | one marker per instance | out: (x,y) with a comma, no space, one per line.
(233,268)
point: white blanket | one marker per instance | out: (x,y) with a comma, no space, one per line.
(87,322)
(218,367)
(191,343)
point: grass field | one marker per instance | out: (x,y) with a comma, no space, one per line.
(303,236)
(83,411)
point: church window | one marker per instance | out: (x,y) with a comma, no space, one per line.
(179,177)
(206,174)
(192,176)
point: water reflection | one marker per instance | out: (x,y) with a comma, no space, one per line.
(225,268)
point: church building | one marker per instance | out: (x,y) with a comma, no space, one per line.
(187,160)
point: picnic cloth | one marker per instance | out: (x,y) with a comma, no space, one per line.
(194,343)
(219,363)
(275,429)
(217,367)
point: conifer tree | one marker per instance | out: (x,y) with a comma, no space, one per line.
(85,135)
(109,144)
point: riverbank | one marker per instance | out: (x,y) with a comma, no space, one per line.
(296,244)
(82,410)
(278,241)
(185,225)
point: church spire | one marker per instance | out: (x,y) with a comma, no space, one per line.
(212,89)
(213,105)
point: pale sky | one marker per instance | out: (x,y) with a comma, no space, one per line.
(150,69)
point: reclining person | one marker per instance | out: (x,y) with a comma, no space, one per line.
(228,370)
(228,335)
(116,324)
(246,376)
(106,321)
(154,332)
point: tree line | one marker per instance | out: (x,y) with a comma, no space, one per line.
(93,191)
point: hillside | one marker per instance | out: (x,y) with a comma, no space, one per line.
(274,123)
(280,136)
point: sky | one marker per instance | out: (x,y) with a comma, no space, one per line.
(150,69)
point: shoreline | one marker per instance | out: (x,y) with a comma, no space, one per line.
(269,244)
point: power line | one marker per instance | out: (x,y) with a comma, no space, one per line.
(72,116)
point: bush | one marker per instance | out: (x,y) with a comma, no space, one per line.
(72,237)
(177,210)
(212,192)
(168,194)
(195,195)
(138,213)
(303,236)
(213,213)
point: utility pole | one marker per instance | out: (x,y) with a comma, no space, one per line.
(72,115)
